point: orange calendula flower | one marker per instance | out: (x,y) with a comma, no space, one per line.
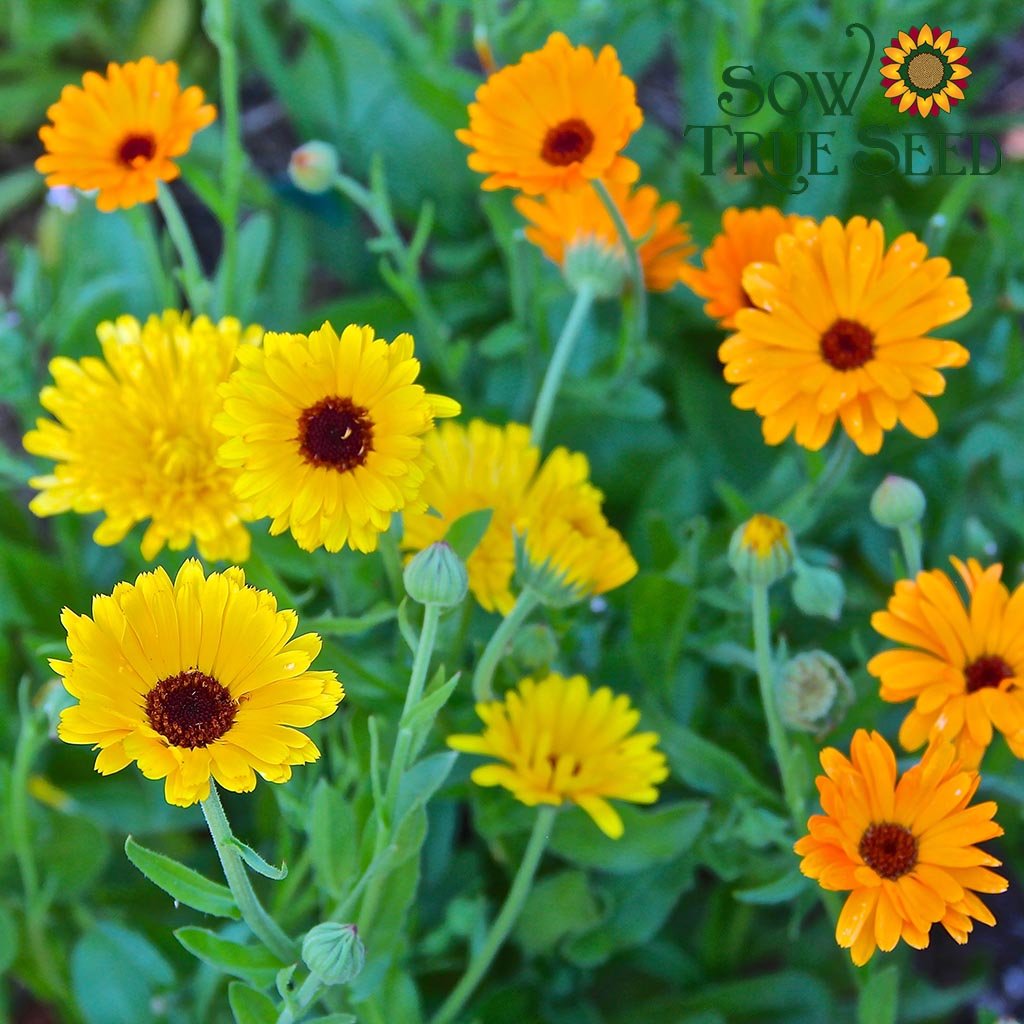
(925,71)
(962,664)
(554,120)
(839,334)
(747,236)
(567,218)
(903,848)
(120,133)
(556,741)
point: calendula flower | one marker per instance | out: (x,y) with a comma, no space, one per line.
(120,133)
(904,848)
(133,436)
(554,120)
(568,549)
(761,550)
(557,741)
(962,664)
(327,433)
(564,220)
(196,678)
(475,467)
(840,334)
(747,236)
(925,71)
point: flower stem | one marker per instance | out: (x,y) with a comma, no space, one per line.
(780,745)
(399,758)
(559,361)
(308,991)
(910,541)
(636,270)
(500,639)
(262,925)
(220,28)
(193,282)
(506,918)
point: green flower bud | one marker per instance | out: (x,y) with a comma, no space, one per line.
(814,692)
(551,586)
(818,591)
(436,575)
(534,648)
(897,502)
(333,952)
(761,550)
(314,167)
(591,263)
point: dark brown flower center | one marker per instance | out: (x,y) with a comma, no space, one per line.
(190,709)
(890,849)
(567,142)
(925,70)
(988,670)
(847,345)
(136,150)
(336,433)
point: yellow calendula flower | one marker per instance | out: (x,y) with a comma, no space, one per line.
(924,71)
(962,663)
(747,236)
(904,848)
(556,741)
(120,133)
(839,333)
(476,467)
(327,433)
(133,436)
(196,678)
(564,219)
(569,550)
(761,550)
(554,120)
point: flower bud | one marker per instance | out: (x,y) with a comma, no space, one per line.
(897,502)
(314,167)
(761,550)
(591,263)
(818,591)
(436,575)
(333,952)
(814,692)
(534,648)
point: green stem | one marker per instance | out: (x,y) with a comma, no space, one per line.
(399,758)
(141,219)
(500,639)
(910,541)
(220,27)
(781,748)
(636,270)
(559,361)
(506,918)
(192,279)
(308,991)
(262,925)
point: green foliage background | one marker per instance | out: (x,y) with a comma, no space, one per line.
(698,915)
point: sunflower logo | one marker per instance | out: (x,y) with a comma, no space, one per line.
(925,71)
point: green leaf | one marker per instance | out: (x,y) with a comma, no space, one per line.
(257,863)
(332,838)
(334,1018)
(467,531)
(251,963)
(354,625)
(650,837)
(423,714)
(779,890)
(250,1006)
(559,905)
(421,782)
(8,939)
(879,998)
(182,883)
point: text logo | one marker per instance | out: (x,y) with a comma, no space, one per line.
(924,71)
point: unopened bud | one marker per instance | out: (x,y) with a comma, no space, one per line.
(814,692)
(592,263)
(314,167)
(534,648)
(897,502)
(333,952)
(761,550)
(436,575)
(818,591)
